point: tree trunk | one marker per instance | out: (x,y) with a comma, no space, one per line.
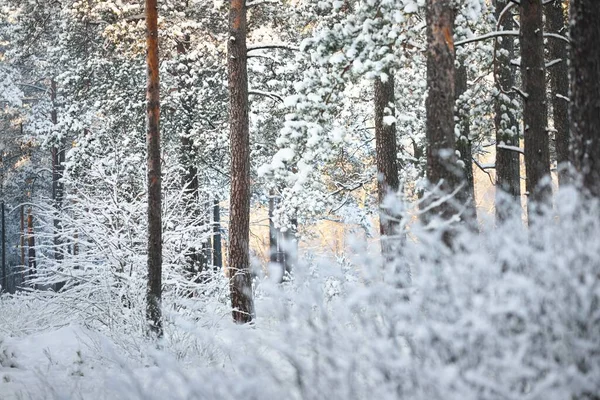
(387,161)
(290,247)
(274,234)
(508,165)
(154,293)
(466,195)
(240,281)
(442,168)
(4,280)
(585,92)
(58,160)
(31,245)
(217,247)
(535,118)
(559,86)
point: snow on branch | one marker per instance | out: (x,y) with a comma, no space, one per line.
(270,95)
(261,2)
(495,34)
(511,148)
(272,46)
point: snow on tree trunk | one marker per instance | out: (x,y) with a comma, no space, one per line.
(535,118)
(240,280)
(154,294)
(387,163)
(508,165)
(559,85)
(585,91)
(58,160)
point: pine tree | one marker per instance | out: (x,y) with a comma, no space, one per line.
(154,294)
(240,280)
(535,118)
(585,92)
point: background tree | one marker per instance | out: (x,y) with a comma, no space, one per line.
(558,72)
(154,173)
(585,92)
(535,113)
(508,166)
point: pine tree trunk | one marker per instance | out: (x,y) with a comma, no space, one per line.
(559,86)
(466,195)
(217,247)
(274,233)
(585,92)
(442,167)
(58,160)
(4,277)
(387,161)
(31,246)
(508,165)
(535,118)
(154,293)
(240,280)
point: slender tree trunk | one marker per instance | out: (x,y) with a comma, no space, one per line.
(290,247)
(23,236)
(535,117)
(508,166)
(387,161)
(240,280)
(58,160)
(4,277)
(31,245)
(466,195)
(274,233)
(559,86)
(154,293)
(196,259)
(585,92)
(217,247)
(442,167)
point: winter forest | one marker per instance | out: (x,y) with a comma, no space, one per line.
(300,199)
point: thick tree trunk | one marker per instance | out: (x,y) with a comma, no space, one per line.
(559,86)
(585,91)
(154,293)
(387,161)
(58,160)
(442,167)
(240,280)
(466,195)
(508,166)
(535,118)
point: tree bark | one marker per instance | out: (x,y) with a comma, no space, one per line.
(4,277)
(58,160)
(559,86)
(585,92)
(466,195)
(31,246)
(387,161)
(240,281)
(442,168)
(154,293)
(535,117)
(508,165)
(217,247)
